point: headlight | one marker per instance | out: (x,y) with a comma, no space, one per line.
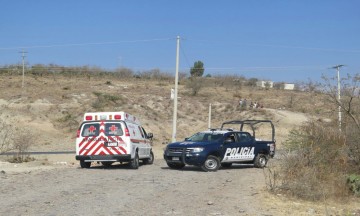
(196,149)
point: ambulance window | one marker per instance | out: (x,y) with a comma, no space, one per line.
(141,131)
(113,129)
(90,130)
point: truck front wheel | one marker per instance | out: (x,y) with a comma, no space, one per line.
(260,161)
(211,164)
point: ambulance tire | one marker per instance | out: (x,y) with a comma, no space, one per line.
(149,160)
(84,164)
(211,164)
(260,161)
(134,163)
(175,165)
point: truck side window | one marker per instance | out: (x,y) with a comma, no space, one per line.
(230,138)
(243,137)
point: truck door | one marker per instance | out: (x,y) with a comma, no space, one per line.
(229,148)
(246,146)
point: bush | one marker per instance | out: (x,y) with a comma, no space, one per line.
(195,84)
(104,100)
(316,162)
(69,120)
(353,182)
(16,139)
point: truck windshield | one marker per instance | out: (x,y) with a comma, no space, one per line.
(204,137)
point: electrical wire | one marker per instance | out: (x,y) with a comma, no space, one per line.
(84,44)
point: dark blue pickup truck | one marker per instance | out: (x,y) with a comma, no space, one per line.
(223,147)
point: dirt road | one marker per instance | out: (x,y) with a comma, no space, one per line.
(150,190)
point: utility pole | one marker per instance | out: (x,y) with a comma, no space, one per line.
(23,67)
(176,89)
(337,67)
(209,123)
(120,59)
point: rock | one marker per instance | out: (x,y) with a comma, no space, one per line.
(311,211)
(210,203)
(2,172)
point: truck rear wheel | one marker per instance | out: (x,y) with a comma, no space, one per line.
(134,164)
(149,160)
(211,164)
(260,161)
(84,164)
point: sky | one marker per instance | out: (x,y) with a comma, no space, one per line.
(278,40)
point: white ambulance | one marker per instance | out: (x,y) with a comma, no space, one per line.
(109,137)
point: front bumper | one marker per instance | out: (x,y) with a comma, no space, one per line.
(185,157)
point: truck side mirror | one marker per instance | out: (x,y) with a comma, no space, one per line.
(150,135)
(186,139)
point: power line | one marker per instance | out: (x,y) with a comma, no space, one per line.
(85,44)
(278,46)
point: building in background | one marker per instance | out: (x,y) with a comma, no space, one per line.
(265,84)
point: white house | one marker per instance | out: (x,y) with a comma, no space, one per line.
(289,86)
(264,84)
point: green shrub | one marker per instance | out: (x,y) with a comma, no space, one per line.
(353,182)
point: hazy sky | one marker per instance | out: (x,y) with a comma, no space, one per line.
(280,40)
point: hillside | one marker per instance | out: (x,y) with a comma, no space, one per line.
(53,107)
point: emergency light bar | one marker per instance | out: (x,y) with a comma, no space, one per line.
(103,117)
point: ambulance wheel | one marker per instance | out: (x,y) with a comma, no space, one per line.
(211,164)
(134,164)
(84,164)
(106,163)
(260,161)
(175,165)
(226,165)
(149,160)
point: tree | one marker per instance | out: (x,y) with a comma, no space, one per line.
(198,69)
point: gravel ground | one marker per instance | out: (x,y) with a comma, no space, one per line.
(150,190)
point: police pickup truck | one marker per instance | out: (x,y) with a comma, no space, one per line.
(223,147)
